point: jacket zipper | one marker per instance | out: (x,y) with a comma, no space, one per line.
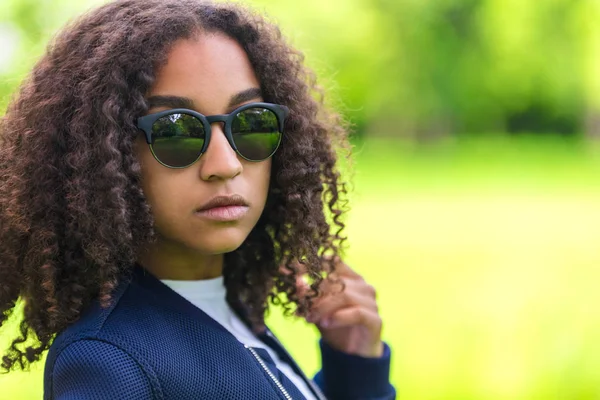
(309,382)
(268,371)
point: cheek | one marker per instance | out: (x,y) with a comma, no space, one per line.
(260,179)
(168,192)
(156,182)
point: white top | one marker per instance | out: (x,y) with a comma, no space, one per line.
(209,296)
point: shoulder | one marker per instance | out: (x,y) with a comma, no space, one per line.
(129,312)
(85,362)
(94,369)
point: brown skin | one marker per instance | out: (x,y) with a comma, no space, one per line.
(210,71)
(74,215)
(347,319)
(189,247)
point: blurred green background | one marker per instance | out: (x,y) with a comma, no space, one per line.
(476,201)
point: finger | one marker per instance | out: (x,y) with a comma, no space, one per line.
(332,264)
(302,286)
(301,272)
(330,308)
(353,316)
(339,276)
(293,267)
(340,287)
(354,294)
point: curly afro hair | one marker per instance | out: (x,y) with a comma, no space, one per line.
(72,212)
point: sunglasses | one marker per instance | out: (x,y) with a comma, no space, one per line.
(178,137)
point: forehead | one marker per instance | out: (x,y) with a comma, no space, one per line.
(209,69)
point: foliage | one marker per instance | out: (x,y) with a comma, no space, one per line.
(413,68)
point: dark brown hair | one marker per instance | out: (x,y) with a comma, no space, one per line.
(72,212)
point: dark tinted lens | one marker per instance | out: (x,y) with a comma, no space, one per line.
(256,133)
(177,139)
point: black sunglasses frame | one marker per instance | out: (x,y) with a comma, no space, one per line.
(146,122)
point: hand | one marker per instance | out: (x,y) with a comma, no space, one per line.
(348,320)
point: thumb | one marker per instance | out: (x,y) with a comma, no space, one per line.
(298,270)
(302,285)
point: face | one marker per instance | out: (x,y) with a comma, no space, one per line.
(212,75)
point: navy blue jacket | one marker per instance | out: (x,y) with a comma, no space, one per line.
(151,343)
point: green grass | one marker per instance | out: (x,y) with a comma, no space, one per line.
(485,257)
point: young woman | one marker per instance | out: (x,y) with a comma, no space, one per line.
(165,174)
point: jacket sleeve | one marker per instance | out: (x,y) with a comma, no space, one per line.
(349,377)
(92,369)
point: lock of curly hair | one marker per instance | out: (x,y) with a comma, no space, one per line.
(72,212)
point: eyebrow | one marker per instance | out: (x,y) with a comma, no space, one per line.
(170,101)
(244,96)
(186,102)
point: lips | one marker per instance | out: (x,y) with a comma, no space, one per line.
(224,201)
(224,208)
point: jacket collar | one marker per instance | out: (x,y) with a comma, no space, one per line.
(154,288)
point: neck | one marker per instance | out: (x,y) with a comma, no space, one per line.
(166,261)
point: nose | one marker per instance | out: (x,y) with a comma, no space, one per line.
(220,161)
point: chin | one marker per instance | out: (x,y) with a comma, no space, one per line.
(219,244)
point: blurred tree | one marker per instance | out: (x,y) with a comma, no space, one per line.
(584,23)
(412,68)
